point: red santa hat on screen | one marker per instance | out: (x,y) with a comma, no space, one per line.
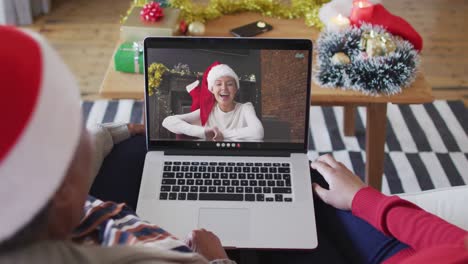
(202,98)
(41,126)
(202,94)
(219,71)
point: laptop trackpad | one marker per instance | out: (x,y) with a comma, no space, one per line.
(227,224)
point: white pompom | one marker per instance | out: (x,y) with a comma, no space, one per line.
(192,86)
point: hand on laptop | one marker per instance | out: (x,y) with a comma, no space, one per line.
(343,183)
(206,244)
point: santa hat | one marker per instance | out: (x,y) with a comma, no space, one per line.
(378,15)
(41,126)
(374,14)
(202,98)
(219,71)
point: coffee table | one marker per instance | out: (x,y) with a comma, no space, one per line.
(117,85)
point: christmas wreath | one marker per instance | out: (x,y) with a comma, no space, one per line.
(366,59)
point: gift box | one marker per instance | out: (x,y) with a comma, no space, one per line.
(135,29)
(129,58)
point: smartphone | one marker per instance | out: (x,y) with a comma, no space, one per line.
(251,29)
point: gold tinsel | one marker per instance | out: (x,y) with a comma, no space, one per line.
(156,71)
(155,74)
(140,3)
(307,9)
(190,11)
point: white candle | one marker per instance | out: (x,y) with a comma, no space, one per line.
(362,4)
(338,23)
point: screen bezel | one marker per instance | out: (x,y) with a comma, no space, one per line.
(228,43)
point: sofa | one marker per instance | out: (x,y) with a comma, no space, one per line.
(450,203)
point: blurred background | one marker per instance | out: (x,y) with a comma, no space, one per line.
(85,33)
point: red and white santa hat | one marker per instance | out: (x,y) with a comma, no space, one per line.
(219,71)
(40,128)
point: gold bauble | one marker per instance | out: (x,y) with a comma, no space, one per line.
(377,44)
(340,58)
(196,28)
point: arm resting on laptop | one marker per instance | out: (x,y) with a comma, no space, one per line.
(184,124)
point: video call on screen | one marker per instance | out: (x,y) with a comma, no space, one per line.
(267,105)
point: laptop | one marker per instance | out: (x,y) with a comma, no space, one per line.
(249,181)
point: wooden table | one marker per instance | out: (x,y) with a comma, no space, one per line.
(119,85)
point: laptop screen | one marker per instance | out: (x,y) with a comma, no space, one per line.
(227,93)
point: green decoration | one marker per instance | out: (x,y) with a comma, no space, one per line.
(129,58)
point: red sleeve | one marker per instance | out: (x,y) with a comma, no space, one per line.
(405,221)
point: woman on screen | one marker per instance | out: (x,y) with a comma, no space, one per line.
(228,120)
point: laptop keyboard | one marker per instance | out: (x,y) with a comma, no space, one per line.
(226,181)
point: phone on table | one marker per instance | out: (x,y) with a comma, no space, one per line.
(251,29)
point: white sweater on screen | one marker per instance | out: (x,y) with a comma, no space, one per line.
(240,124)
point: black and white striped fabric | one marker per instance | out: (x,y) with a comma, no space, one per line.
(426,145)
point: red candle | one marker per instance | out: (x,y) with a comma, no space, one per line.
(362,10)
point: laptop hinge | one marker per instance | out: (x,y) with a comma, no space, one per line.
(253,153)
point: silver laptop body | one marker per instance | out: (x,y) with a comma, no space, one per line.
(267,201)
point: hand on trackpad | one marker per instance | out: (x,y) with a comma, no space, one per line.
(227,224)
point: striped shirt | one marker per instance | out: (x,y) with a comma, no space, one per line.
(110,224)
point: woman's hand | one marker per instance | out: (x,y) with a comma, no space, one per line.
(206,244)
(213,134)
(342,182)
(136,129)
(210,133)
(218,135)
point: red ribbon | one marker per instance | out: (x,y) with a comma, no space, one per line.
(151,12)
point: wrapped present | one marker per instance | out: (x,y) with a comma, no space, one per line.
(129,57)
(136,29)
